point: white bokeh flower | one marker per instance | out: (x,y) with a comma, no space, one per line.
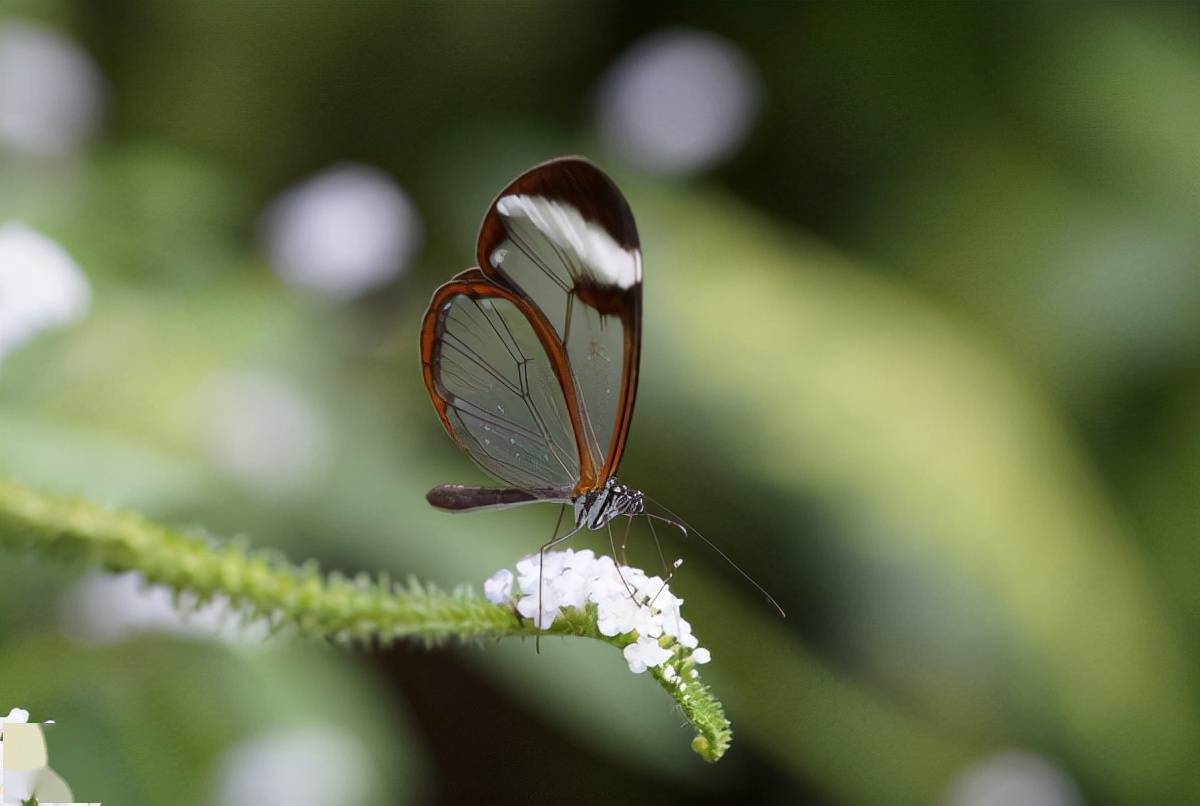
(51,93)
(342,232)
(41,287)
(110,608)
(266,432)
(307,766)
(678,101)
(1014,776)
(627,602)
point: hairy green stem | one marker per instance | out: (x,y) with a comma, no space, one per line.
(265,585)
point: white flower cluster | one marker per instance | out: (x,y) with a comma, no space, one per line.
(626,599)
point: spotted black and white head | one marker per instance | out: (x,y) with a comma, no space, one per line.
(595,509)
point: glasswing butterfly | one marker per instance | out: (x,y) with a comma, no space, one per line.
(531,359)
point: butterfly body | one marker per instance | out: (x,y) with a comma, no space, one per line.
(595,509)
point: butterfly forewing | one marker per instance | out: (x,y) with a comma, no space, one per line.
(532,359)
(564,236)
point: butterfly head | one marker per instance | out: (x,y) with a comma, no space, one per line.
(627,501)
(596,509)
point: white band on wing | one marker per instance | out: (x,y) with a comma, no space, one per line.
(607,261)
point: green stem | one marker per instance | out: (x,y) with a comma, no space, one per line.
(265,585)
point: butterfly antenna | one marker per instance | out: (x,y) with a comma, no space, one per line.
(683,526)
(625,542)
(666,571)
(665,582)
(613,545)
(670,574)
(541,616)
(658,547)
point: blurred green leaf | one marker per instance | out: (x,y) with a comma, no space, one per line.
(925,449)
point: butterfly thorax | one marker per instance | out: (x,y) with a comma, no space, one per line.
(596,508)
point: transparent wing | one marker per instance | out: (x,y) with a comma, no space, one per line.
(497,388)
(562,236)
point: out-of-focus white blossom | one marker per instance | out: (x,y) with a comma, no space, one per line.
(108,609)
(51,94)
(266,432)
(308,766)
(1014,776)
(342,232)
(678,101)
(41,287)
(628,602)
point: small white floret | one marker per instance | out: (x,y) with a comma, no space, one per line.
(498,588)
(645,653)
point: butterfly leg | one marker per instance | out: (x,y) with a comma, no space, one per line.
(625,543)
(553,541)
(668,572)
(613,546)
(658,547)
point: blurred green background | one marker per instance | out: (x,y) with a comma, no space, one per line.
(922,352)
